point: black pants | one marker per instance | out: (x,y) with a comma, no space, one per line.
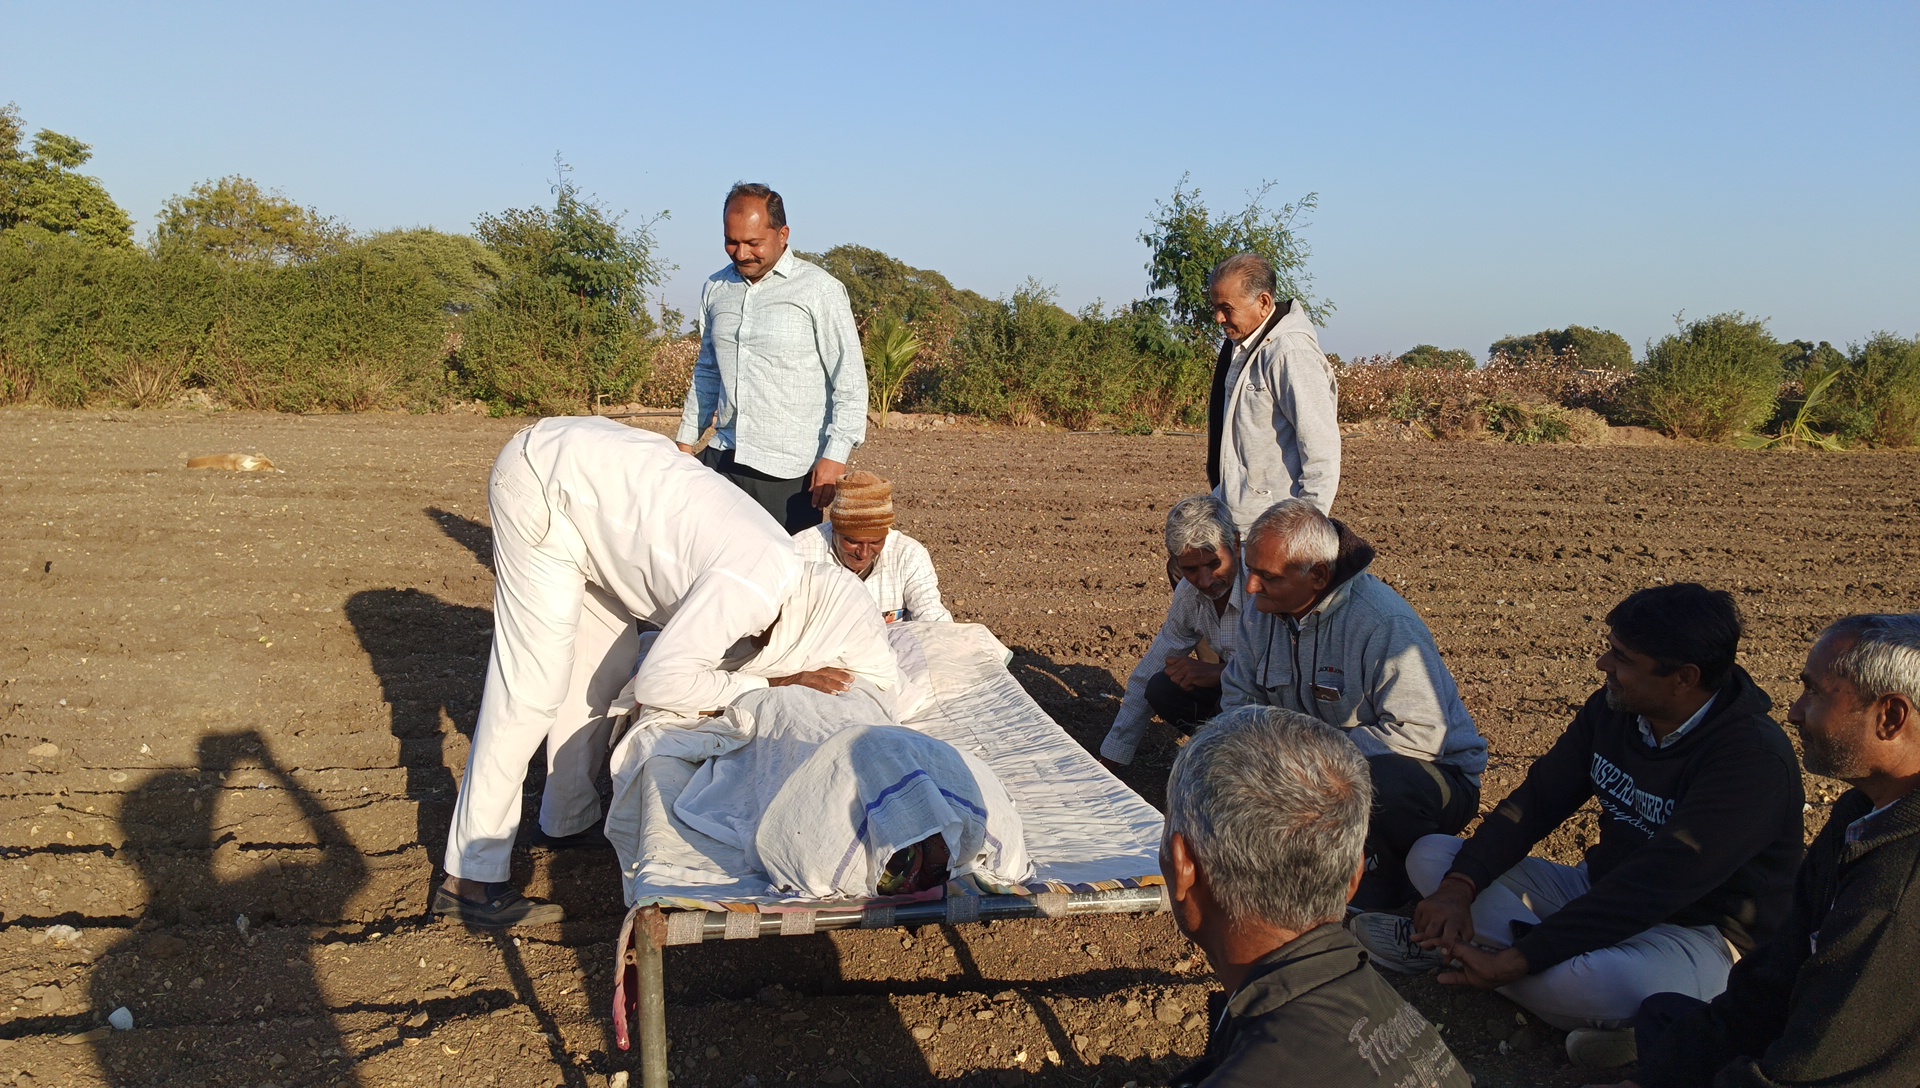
(1663,1063)
(789,501)
(1184,710)
(1411,798)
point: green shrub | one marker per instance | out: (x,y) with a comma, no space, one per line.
(1713,379)
(1877,395)
(1026,360)
(1433,358)
(1575,345)
(1528,424)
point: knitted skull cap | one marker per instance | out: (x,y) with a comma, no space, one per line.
(862,501)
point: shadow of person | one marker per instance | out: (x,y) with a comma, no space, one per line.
(431,659)
(193,960)
(466,532)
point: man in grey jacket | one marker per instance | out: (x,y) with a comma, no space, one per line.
(1332,641)
(1273,422)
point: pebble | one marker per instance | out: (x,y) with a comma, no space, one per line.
(839,1074)
(923,1033)
(1169,1012)
(617,1079)
(417,1020)
(44,751)
(794,1017)
(121,1019)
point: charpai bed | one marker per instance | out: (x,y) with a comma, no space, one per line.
(1093,842)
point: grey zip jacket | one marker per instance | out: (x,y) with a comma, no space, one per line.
(1282,423)
(1362,660)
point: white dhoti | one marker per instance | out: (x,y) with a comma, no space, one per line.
(621,526)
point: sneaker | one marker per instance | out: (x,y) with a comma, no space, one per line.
(1602,1048)
(1388,938)
(505,908)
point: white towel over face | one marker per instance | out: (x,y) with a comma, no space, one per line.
(871,791)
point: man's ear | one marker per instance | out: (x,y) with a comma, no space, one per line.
(1896,714)
(1322,575)
(1687,676)
(1183,873)
(1359,873)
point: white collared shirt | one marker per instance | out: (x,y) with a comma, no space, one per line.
(780,374)
(902,581)
(1673,738)
(1190,618)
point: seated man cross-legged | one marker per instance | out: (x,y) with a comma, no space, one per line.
(860,536)
(1829,1000)
(1331,641)
(1266,817)
(1171,681)
(1700,830)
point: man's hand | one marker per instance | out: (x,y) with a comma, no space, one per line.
(830,680)
(1446,916)
(1191,672)
(1481,969)
(684,448)
(826,476)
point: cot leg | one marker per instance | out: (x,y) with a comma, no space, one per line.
(648,931)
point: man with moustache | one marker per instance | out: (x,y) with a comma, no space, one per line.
(1700,833)
(1172,681)
(1273,415)
(1328,639)
(780,375)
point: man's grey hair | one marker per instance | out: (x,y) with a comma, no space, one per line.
(1309,534)
(1199,522)
(1254,272)
(1273,806)
(1884,658)
(754,190)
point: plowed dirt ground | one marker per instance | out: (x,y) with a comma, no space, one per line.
(234,708)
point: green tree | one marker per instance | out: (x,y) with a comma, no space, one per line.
(1433,358)
(45,188)
(1186,241)
(568,327)
(233,219)
(883,289)
(1713,379)
(1595,349)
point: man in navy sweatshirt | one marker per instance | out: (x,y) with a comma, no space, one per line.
(1700,834)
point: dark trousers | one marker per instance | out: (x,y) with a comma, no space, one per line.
(1411,798)
(1184,710)
(789,501)
(1662,1062)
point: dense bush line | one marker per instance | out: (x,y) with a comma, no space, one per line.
(245,297)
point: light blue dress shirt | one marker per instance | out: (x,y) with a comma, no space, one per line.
(780,374)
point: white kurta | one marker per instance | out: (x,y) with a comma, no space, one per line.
(902,581)
(596,524)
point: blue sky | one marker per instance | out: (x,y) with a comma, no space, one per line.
(1483,169)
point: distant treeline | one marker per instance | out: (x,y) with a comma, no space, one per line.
(243,297)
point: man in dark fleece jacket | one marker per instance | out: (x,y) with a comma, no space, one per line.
(1266,815)
(1830,1000)
(1700,832)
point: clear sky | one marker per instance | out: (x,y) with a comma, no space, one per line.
(1483,169)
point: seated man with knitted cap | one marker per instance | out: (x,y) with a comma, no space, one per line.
(860,536)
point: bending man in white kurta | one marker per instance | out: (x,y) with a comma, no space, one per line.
(596,524)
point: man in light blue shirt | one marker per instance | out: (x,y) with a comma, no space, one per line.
(780,376)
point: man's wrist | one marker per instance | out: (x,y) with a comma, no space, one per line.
(1463,881)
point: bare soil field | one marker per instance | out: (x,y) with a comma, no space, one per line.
(234,709)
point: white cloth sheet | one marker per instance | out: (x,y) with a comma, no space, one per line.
(1081,825)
